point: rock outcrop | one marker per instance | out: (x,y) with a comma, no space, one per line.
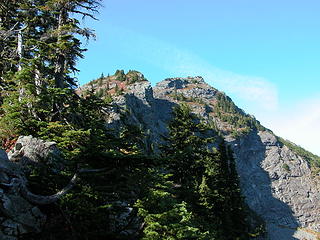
(18,216)
(143,110)
(277,183)
(19,209)
(29,151)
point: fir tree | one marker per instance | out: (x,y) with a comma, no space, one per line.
(207,177)
(37,79)
(184,144)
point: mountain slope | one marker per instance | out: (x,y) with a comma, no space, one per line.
(278,182)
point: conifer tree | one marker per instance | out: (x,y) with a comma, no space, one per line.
(185,147)
(37,79)
(208,178)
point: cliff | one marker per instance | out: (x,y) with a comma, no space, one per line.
(279,185)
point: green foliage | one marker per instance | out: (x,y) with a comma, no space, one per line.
(134,76)
(120,75)
(12,121)
(87,211)
(194,81)
(100,93)
(108,98)
(165,216)
(241,122)
(100,82)
(184,145)
(286,167)
(313,159)
(208,179)
(179,96)
(37,79)
(235,133)
(133,79)
(257,226)
(197,100)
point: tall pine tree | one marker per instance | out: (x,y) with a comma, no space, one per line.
(40,47)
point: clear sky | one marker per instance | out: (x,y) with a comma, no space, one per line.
(264,54)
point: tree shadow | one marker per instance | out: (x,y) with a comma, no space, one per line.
(256,186)
(152,116)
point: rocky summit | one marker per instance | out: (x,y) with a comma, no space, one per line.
(279,180)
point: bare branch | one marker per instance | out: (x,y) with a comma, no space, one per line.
(44,200)
(84,14)
(19,183)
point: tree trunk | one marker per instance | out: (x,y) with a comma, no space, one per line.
(20,48)
(60,62)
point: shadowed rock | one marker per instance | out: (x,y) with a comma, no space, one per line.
(276,182)
(18,215)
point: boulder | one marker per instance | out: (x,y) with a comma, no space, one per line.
(18,215)
(29,151)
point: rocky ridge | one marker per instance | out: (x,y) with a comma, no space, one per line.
(278,184)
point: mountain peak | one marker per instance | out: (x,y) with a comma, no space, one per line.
(116,84)
(271,170)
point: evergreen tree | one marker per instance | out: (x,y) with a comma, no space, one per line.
(165,216)
(184,145)
(120,75)
(37,79)
(208,179)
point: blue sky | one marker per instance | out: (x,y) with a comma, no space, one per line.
(264,54)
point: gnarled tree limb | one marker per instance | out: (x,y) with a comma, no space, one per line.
(44,200)
(19,183)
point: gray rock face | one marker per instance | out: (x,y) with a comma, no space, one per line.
(190,88)
(142,110)
(278,186)
(179,83)
(276,182)
(18,216)
(30,151)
